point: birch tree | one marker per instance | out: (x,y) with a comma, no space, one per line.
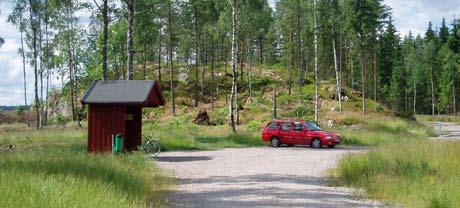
(316,59)
(234,65)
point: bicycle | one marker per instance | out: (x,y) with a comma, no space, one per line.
(152,146)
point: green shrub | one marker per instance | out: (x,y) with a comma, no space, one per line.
(254,125)
(61,120)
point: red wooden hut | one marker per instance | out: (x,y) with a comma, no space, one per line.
(115,107)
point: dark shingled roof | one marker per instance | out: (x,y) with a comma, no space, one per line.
(123,92)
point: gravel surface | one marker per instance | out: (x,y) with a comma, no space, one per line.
(258,177)
(446,131)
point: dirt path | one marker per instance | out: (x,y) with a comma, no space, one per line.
(258,177)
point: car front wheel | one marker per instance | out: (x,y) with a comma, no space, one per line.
(316,143)
(276,142)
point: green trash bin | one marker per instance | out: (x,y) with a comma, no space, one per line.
(117,143)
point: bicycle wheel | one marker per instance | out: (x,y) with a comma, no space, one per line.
(152,148)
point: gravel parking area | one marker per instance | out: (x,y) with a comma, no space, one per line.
(259,177)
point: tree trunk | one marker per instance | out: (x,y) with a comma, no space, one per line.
(171,67)
(35,55)
(212,73)
(24,75)
(363,79)
(159,54)
(77,111)
(234,64)
(374,69)
(316,60)
(454,107)
(105,37)
(47,55)
(290,62)
(130,44)
(432,91)
(40,51)
(336,68)
(242,61)
(274,102)
(144,53)
(250,52)
(197,40)
(415,98)
(226,78)
(203,67)
(299,44)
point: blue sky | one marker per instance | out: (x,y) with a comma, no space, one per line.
(409,15)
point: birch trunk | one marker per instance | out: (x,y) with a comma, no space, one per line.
(24,75)
(197,40)
(105,37)
(130,41)
(234,64)
(337,76)
(316,60)
(35,55)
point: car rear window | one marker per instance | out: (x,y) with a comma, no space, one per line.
(286,126)
(273,126)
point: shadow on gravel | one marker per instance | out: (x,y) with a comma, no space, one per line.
(182,159)
(335,149)
(266,190)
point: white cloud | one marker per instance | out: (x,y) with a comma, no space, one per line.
(414,15)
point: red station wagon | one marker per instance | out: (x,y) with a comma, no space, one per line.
(292,132)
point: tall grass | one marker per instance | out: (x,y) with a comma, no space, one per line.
(51,168)
(414,174)
(439,118)
(382,130)
(181,134)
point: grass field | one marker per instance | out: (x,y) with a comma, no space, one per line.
(51,168)
(438,118)
(414,174)
(182,134)
(375,130)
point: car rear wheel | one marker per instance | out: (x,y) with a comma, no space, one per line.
(275,142)
(316,143)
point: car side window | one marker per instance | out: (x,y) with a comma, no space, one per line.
(273,126)
(298,126)
(286,126)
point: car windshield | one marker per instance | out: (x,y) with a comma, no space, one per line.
(312,126)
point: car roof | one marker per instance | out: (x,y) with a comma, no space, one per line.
(287,120)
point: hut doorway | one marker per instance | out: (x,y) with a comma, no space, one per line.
(133,128)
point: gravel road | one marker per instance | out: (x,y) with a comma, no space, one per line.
(258,177)
(446,131)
